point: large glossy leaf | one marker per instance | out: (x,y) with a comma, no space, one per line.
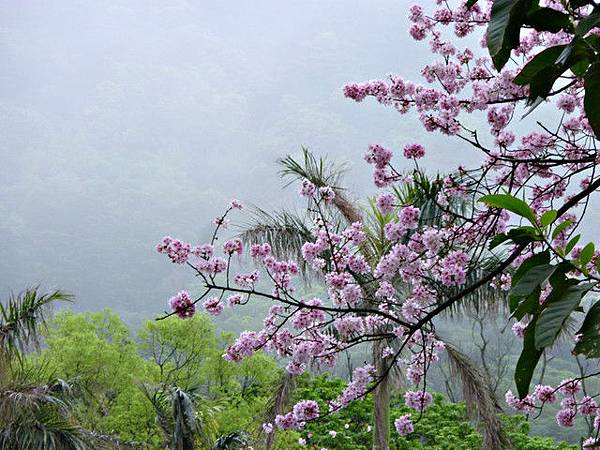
(516,302)
(586,24)
(519,235)
(549,19)
(529,305)
(527,361)
(548,217)
(534,260)
(541,84)
(591,101)
(571,244)
(588,343)
(560,304)
(507,18)
(531,279)
(543,59)
(559,277)
(510,203)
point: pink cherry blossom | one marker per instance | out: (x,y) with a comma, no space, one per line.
(404,425)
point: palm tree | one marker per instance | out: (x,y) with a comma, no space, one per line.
(286,232)
(185,419)
(33,415)
(232,441)
(21,319)
(278,403)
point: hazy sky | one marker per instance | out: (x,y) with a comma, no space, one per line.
(126,120)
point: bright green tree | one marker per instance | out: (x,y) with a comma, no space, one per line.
(97,350)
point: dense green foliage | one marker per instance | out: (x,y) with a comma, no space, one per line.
(444,425)
(121,375)
(126,387)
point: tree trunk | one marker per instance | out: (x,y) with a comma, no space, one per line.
(381,401)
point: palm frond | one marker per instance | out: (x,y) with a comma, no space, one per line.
(278,403)
(232,441)
(160,402)
(487,300)
(38,416)
(22,315)
(21,399)
(185,427)
(182,416)
(285,231)
(480,398)
(46,430)
(319,171)
(421,191)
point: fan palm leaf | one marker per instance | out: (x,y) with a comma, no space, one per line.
(321,172)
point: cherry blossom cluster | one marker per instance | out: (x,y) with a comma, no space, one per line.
(570,405)
(462,82)
(182,305)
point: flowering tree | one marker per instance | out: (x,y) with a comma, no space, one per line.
(287,232)
(525,200)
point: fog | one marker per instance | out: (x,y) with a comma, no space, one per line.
(125,120)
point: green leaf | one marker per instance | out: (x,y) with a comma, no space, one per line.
(504,28)
(559,228)
(561,302)
(531,279)
(571,244)
(593,41)
(587,253)
(580,67)
(528,306)
(528,360)
(591,100)
(586,24)
(578,60)
(498,239)
(519,235)
(510,203)
(559,277)
(548,217)
(589,334)
(548,19)
(542,82)
(532,261)
(470,3)
(562,58)
(526,282)
(545,58)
